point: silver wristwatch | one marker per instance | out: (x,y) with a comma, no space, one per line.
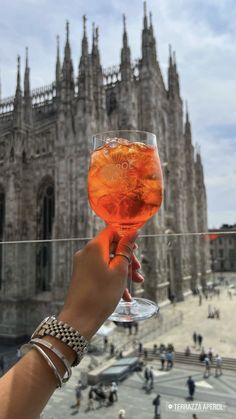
(50,326)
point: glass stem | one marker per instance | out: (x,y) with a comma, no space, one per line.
(130,286)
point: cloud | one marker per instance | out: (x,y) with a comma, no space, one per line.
(203,34)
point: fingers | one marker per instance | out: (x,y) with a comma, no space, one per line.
(124,251)
(126,295)
(137,277)
(103,242)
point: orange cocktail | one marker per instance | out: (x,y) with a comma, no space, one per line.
(125,183)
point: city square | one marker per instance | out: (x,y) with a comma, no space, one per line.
(171,385)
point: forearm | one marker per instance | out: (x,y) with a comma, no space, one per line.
(26,387)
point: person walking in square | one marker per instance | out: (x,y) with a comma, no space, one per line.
(140,348)
(157,404)
(195,338)
(114,390)
(112,349)
(200,339)
(146,376)
(191,387)
(163,359)
(151,378)
(207,372)
(218,361)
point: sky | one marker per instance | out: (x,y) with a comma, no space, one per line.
(203,34)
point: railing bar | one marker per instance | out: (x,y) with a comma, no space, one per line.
(140,236)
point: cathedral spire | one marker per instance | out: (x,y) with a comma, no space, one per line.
(58,65)
(145,21)
(125,38)
(149,56)
(170,56)
(125,65)
(187,130)
(67,51)
(173,77)
(170,73)
(67,31)
(67,71)
(187,116)
(17,114)
(27,73)
(85,39)
(93,36)
(199,167)
(87,70)
(27,95)
(152,40)
(145,36)
(176,75)
(18,83)
(150,25)
(95,50)
(98,91)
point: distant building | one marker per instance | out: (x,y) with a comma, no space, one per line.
(223,248)
(44,153)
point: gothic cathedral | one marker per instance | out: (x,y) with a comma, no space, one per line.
(44,153)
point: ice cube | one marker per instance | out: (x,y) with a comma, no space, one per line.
(112,142)
(123,141)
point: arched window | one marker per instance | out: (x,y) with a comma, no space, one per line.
(46,211)
(2,221)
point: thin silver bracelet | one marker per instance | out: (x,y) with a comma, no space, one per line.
(56,351)
(50,363)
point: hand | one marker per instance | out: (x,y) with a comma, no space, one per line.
(98,282)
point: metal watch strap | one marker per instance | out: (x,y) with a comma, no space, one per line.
(65,333)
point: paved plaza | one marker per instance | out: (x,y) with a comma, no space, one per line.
(171,385)
(137,404)
(217,334)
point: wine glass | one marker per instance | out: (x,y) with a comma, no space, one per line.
(125,189)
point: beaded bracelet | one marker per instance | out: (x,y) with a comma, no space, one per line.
(56,351)
(50,363)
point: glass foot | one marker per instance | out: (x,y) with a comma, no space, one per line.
(137,309)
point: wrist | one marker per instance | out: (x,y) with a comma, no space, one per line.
(86,325)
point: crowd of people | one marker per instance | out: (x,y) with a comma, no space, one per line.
(207,357)
(99,395)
